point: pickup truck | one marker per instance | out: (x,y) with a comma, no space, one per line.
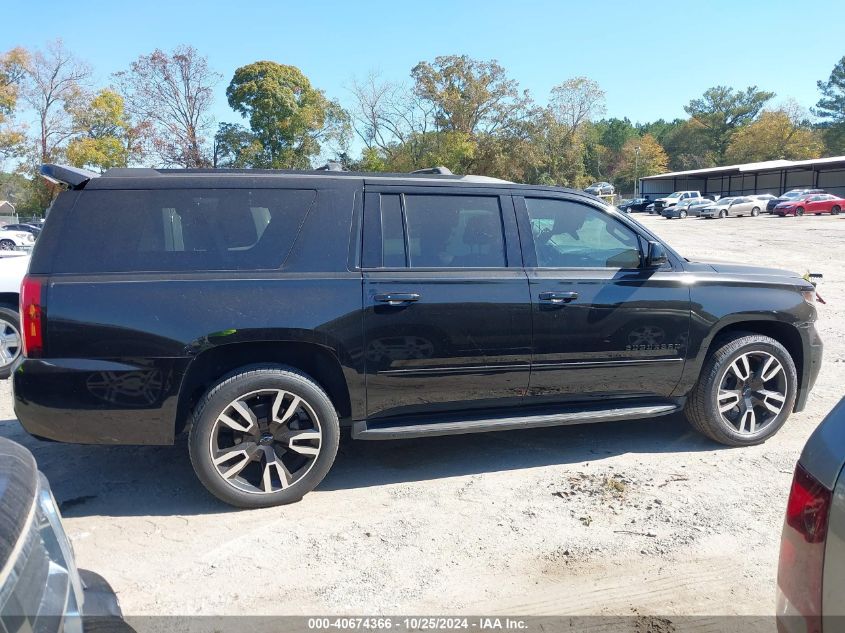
(672,199)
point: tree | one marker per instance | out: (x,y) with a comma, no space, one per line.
(775,134)
(575,102)
(174,93)
(640,157)
(13,66)
(288,116)
(831,107)
(688,146)
(469,95)
(235,147)
(722,110)
(56,82)
(106,137)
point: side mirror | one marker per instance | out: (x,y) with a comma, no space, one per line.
(657,255)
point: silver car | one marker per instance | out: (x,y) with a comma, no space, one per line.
(811,594)
(737,205)
(685,208)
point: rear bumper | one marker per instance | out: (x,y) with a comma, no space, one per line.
(813,349)
(83,401)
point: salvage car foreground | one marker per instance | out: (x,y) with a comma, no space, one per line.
(263,310)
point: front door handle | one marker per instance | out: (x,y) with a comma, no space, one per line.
(558,297)
(397,298)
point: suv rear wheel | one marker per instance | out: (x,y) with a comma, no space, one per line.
(746,391)
(10,339)
(263,436)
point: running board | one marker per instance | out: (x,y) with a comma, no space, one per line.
(365,430)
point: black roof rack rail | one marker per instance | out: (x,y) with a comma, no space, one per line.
(437,171)
(332,165)
(73,177)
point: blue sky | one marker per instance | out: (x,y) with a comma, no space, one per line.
(650,57)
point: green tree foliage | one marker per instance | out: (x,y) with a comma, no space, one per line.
(831,107)
(468,95)
(13,69)
(723,110)
(288,116)
(640,157)
(774,135)
(105,138)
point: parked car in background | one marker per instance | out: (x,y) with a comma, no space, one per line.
(12,270)
(442,281)
(600,189)
(16,240)
(813,204)
(674,198)
(41,589)
(789,196)
(810,591)
(764,198)
(736,206)
(686,208)
(30,228)
(625,205)
(639,204)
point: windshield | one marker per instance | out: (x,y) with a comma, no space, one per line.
(792,195)
(677,194)
(725,200)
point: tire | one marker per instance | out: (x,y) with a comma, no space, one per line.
(682,215)
(723,214)
(7,245)
(835,211)
(718,386)
(303,410)
(10,339)
(799,211)
(755,212)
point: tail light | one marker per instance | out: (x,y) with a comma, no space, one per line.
(801,562)
(32,317)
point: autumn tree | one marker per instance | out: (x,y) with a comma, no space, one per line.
(640,157)
(831,107)
(723,110)
(13,70)
(468,95)
(774,135)
(290,118)
(55,84)
(106,137)
(174,93)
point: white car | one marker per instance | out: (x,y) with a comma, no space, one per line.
(16,240)
(13,267)
(674,198)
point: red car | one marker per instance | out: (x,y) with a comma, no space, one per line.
(814,203)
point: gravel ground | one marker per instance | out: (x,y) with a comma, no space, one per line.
(624,518)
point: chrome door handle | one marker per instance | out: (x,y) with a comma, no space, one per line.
(397,298)
(558,297)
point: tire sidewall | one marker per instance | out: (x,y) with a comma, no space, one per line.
(10,316)
(235,386)
(723,362)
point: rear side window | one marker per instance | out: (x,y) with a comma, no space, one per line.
(182,230)
(454,231)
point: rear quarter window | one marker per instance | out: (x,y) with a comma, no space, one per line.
(179,230)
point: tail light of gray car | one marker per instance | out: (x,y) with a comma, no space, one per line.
(32,316)
(802,555)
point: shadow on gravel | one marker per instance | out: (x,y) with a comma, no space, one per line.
(159,480)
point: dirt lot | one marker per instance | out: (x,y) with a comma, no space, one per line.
(627,518)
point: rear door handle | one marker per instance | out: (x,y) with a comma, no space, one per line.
(558,297)
(397,298)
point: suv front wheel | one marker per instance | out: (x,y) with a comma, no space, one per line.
(746,391)
(263,436)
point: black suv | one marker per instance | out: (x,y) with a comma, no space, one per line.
(264,310)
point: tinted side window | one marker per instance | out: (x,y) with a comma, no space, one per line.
(182,230)
(573,235)
(454,231)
